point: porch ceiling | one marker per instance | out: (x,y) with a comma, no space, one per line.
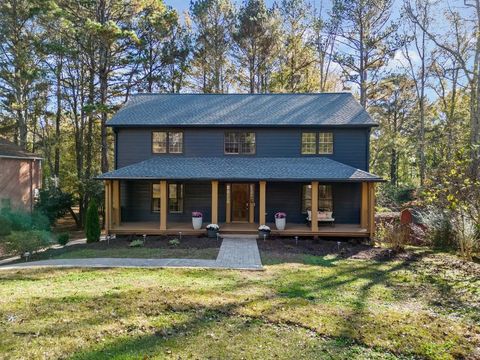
(242,169)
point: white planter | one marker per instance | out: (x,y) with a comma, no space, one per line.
(280,223)
(197,223)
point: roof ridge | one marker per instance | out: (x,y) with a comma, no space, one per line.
(245,94)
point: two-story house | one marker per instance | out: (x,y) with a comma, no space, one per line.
(239,159)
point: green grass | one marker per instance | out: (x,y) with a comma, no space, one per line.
(130,252)
(324,308)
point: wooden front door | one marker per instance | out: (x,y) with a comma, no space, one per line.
(240,202)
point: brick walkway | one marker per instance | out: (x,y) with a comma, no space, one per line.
(239,253)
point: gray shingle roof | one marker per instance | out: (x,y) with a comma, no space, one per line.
(241,168)
(10,150)
(332,109)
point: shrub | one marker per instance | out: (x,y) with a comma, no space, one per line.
(22,221)
(392,197)
(63,238)
(136,243)
(5,226)
(393,234)
(20,242)
(439,233)
(54,203)
(174,242)
(92,224)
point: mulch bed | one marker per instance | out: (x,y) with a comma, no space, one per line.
(352,249)
(159,242)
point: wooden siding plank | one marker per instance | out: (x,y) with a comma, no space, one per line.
(314,206)
(163,205)
(215,202)
(262,207)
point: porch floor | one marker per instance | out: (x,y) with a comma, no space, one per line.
(292,229)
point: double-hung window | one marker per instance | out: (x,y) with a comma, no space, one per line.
(325,198)
(175,198)
(317,143)
(242,143)
(164,142)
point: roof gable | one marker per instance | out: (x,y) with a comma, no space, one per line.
(323,109)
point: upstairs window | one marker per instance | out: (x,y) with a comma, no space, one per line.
(167,142)
(309,143)
(311,139)
(325,198)
(240,143)
(325,143)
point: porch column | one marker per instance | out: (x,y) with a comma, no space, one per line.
(364,206)
(214,202)
(116,203)
(163,205)
(371,209)
(262,208)
(314,206)
(107,207)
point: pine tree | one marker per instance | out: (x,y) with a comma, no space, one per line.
(92,226)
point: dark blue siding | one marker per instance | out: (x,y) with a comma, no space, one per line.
(350,145)
(286,197)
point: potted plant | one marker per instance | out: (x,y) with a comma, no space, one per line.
(197,220)
(263,231)
(280,220)
(212,230)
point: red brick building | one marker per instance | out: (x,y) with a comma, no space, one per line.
(20,176)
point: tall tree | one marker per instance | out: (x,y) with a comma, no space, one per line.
(297,64)
(418,48)
(214,21)
(464,30)
(366,41)
(21,76)
(394,107)
(324,40)
(256,36)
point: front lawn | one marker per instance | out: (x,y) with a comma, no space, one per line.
(309,306)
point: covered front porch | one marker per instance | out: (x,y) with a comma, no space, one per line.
(238,207)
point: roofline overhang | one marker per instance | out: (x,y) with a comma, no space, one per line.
(259,126)
(241,179)
(21,157)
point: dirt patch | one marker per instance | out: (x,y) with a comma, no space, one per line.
(285,248)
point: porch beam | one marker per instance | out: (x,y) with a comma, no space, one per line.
(214,202)
(262,207)
(364,206)
(371,209)
(314,206)
(163,205)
